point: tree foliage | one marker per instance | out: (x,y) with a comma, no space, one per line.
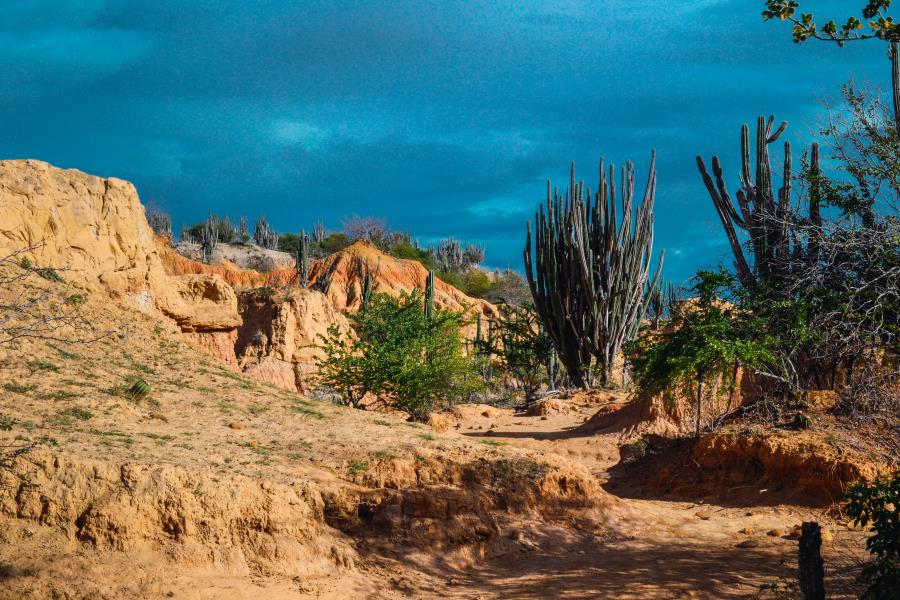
(878,505)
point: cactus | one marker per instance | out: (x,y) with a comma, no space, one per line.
(264,236)
(664,298)
(160,222)
(589,271)
(226,230)
(429,295)
(451,256)
(242,234)
(186,236)
(763,218)
(552,370)
(209,237)
(302,262)
(368,279)
(318,232)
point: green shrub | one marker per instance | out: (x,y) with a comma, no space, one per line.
(525,348)
(405,250)
(476,282)
(401,356)
(334,242)
(878,504)
(701,353)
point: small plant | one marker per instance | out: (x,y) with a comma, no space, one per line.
(18,388)
(12,450)
(66,354)
(58,395)
(357,466)
(428,437)
(75,299)
(134,389)
(878,504)
(42,365)
(494,443)
(77,413)
(139,390)
(308,412)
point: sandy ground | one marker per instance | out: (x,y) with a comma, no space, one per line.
(203,417)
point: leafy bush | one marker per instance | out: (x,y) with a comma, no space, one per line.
(334,242)
(706,344)
(526,350)
(401,356)
(405,250)
(878,504)
(476,282)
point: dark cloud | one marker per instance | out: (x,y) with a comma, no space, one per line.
(444,117)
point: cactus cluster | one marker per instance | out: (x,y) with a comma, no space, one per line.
(762,218)
(318,232)
(664,299)
(483,346)
(160,222)
(452,256)
(590,268)
(263,235)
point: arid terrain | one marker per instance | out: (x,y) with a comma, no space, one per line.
(233,477)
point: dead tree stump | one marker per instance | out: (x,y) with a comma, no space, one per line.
(812,569)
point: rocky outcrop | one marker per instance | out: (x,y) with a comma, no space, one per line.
(339,275)
(242,256)
(95,232)
(277,342)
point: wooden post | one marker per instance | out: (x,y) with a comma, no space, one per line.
(812,569)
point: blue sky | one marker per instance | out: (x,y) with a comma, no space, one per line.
(445,117)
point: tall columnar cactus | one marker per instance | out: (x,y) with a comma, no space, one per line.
(762,220)
(302,261)
(318,232)
(590,269)
(263,235)
(429,295)
(186,236)
(243,231)
(368,279)
(209,237)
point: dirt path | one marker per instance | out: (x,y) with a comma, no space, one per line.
(660,548)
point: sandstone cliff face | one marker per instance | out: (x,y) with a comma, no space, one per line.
(96,231)
(277,342)
(94,228)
